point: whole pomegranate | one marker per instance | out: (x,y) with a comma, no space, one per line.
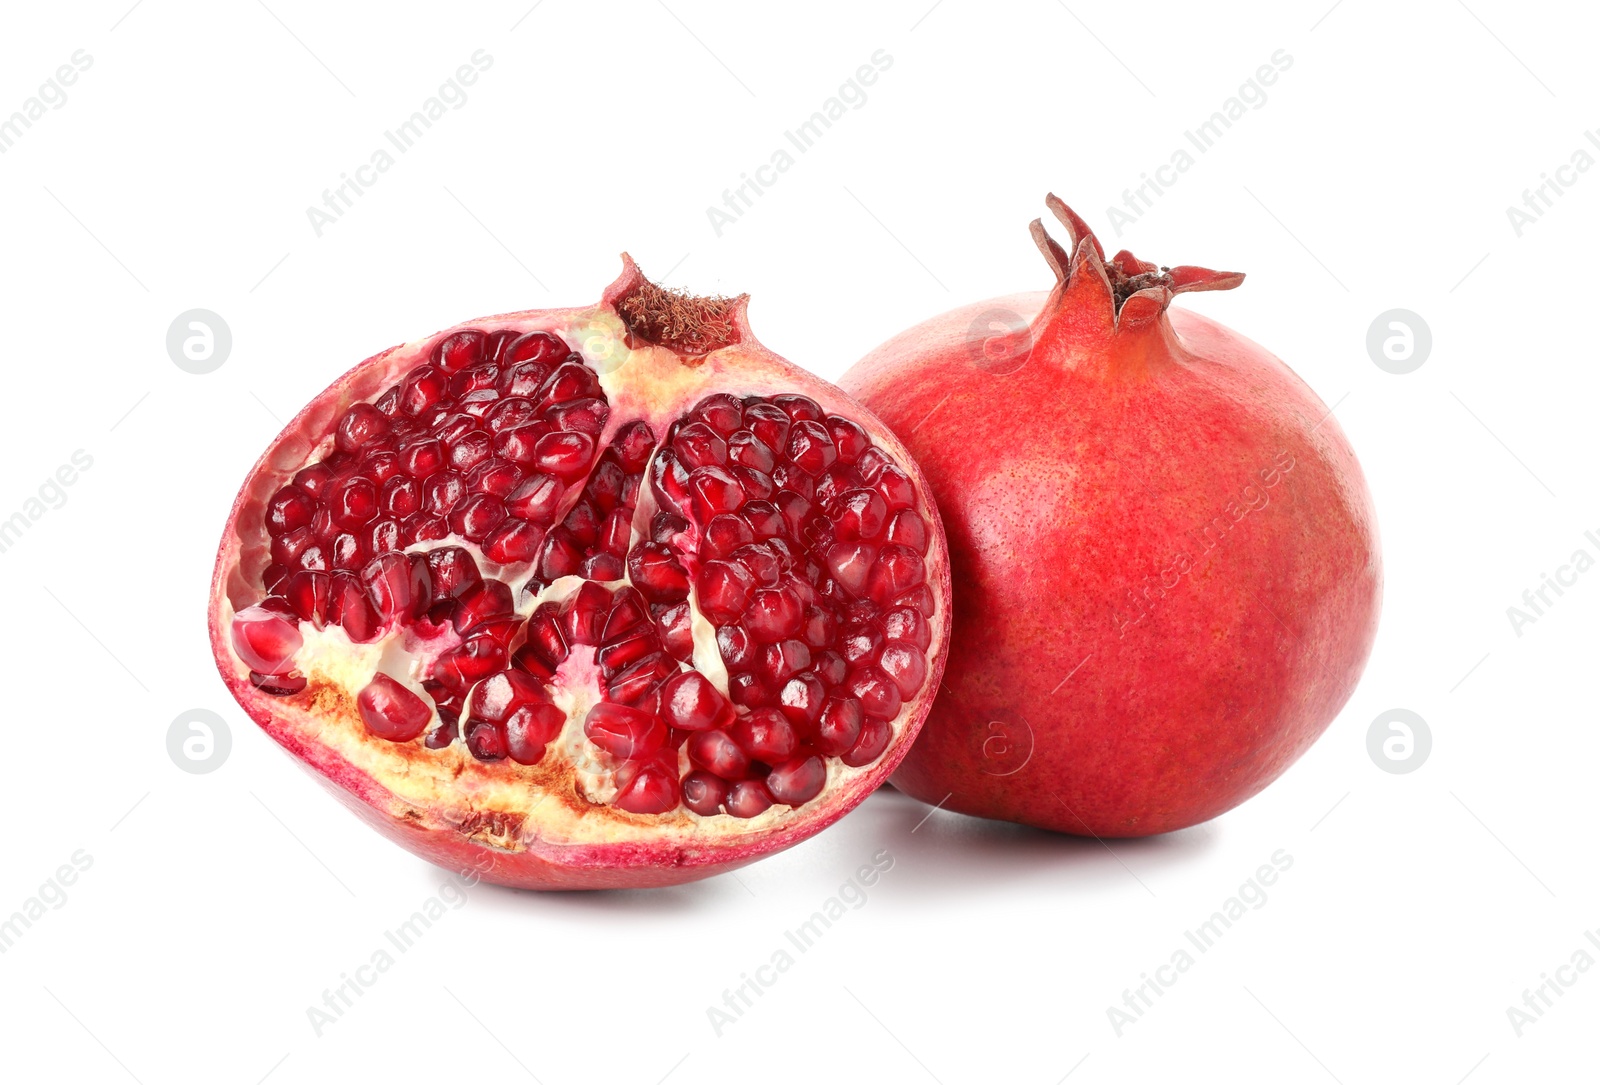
(584,598)
(1165,559)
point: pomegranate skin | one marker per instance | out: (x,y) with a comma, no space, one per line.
(1165,559)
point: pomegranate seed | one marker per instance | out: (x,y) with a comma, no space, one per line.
(895,487)
(797,781)
(746,691)
(273,577)
(874,739)
(849,438)
(718,753)
(898,570)
(650,788)
(357,426)
(862,514)
(829,667)
(383,535)
(703,793)
(907,624)
(485,602)
(349,606)
(486,740)
(530,729)
(819,628)
(288,509)
(810,448)
(839,725)
(422,528)
(560,556)
(265,641)
(496,697)
(605,567)
(523,379)
(850,564)
(580,416)
(279,685)
(392,711)
(472,661)
(765,521)
(724,591)
(583,614)
(765,734)
(676,629)
(689,702)
(441,490)
(879,697)
(423,387)
(626,650)
(627,612)
(564,455)
(784,660)
(571,380)
(535,347)
(422,458)
(398,587)
(623,732)
(747,799)
(721,412)
(513,541)
(478,515)
(459,350)
(453,572)
(634,685)
(773,615)
(307,592)
(655,571)
(907,529)
(757,486)
(739,650)
(801,699)
(714,490)
(352,502)
(905,666)
(536,500)
(314,478)
(634,444)
(617,532)
(583,524)
(698,445)
(748,450)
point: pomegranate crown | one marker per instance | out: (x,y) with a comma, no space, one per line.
(1135,291)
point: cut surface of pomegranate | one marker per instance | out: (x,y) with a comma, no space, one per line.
(1166,558)
(587,598)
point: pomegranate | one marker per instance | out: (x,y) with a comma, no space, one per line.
(1165,557)
(586,598)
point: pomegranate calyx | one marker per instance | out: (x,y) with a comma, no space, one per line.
(1126,278)
(686,324)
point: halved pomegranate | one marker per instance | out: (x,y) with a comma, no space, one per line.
(586,598)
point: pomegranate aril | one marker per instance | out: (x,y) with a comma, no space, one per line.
(487,601)
(669,481)
(308,592)
(288,509)
(398,586)
(738,649)
(879,697)
(898,569)
(623,732)
(624,651)
(797,781)
(441,491)
(698,445)
(279,685)
(829,667)
(423,387)
(422,528)
(905,666)
(717,753)
(651,788)
(748,450)
(469,449)
(689,702)
(747,799)
(675,625)
(545,645)
(627,613)
(571,380)
(869,746)
(765,734)
(849,438)
(907,624)
(810,448)
(313,479)
(801,699)
(642,679)
(655,571)
(273,577)
(634,443)
(523,379)
(459,350)
(499,695)
(265,641)
(851,564)
(422,458)
(714,490)
(818,628)
(748,691)
(382,535)
(564,455)
(765,521)
(907,529)
(756,485)
(513,541)
(861,514)
(536,500)
(495,476)
(478,515)
(583,524)
(474,378)
(724,534)
(782,661)
(724,591)
(721,412)
(773,615)
(560,556)
(380,465)
(796,510)
(392,711)
(357,426)
(529,731)
(703,793)
(666,527)
(535,347)
(472,661)
(352,502)
(580,416)
(583,614)
(486,741)
(838,727)
(350,608)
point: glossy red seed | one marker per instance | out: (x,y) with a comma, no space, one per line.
(703,793)
(487,601)
(289,508)
(801,700)
(717,753)
(907,624)
(264,640)
(773,614)
(862,514)
(723,590)
(472,661)
(499,695)
(830,667)
(392,711)
(873,740)
(623,732)
(904,665)
(748,799)
(782,661)
(851,564)
(513,541)
(529,731)
(559,557)
(398,587)
(797,781)
(907,529)
(486,741)
(655,571)
(536,347)
(689,702)
(879,697)
(357,426)
(350,607)
(459,350)
(279,685)
(810,448)
(721,412)
(454,572)
(583,614)
(765,734)
(536,500)
(651,788)
(713,490)
(897,570)
(674,623)
(564,455)
(698,445)
(839,725)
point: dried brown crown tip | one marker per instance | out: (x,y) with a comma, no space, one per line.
(680,321)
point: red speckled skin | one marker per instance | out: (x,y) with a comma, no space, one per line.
(1164,556)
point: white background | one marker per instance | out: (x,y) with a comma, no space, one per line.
(1376,175)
